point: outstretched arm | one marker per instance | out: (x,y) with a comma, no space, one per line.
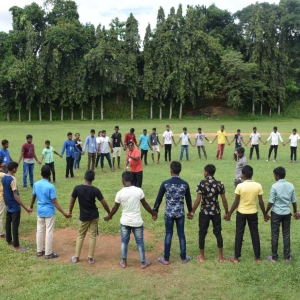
(112,212)
(148,209)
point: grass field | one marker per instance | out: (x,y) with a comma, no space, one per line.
(23,276)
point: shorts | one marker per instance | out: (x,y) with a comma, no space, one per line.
(155,149)
(117,151)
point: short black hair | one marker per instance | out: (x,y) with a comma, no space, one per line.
(275,127)
(184,128)
(254,128)
(210,169)
(28,136)
(223,126)
(45,171)
(280,171)
(127,176)
(116,127)
(103,131)
(154,128)
(89,175)
(132,130)
(77,133)
(129,142)
(167,125)
(199,128)
(247,171)
(294,129)
(4,142)
(12,165)
(239,130)
(92,130)
(69,133)
(47,142)
(144,129)
(175,166)
(240,150)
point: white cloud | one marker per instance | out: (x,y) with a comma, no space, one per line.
(96,12)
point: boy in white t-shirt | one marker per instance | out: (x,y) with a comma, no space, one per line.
(199,141)
(254,139)
(293,139)
(104,143)
(130,197)
(168,138)
(185,140)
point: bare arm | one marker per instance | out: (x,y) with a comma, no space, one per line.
(18,199)
(196,204)
(59,208)
(262,205)
(21,156)
(148,208)
(235,204)
(105,206)
(42,158)
(225,203)
(71,205)
(32,201)
(112,212)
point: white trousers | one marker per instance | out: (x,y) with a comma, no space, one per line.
(41,224)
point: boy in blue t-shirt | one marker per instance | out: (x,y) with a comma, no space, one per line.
(13,206)
(4,154)
(144,143)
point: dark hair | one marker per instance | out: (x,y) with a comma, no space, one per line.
(184,128)
(12,165)
(47,142)
(254,128)
(175,166)
(89,175)
(223,126)
(92,130)
(247,171)
(294,129)
(167,125)
(240,150)
(45,171)
(4,142)
(127,176)
(154,128)
(103,131)
(69,133)
(199,128)
(239,130)
(132,130)
(279,171)
(275,127)
(210,169)
(28,136)
(99,132)
(144,129)
(129,142)
(77,133)
(116,127)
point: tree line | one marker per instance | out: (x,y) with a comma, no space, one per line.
(249,60)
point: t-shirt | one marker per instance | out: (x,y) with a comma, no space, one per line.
(48,152)
(240,163)
(45,192)
(275,136)
(9,186)
(248,191)
(135,165)
(130,198)
(76,141)
(294,139)
(144,139)
(200,138)
(28,150)
(221,136)
(116,139)
(87,195)
(254,138)
(238,140)
(168,137)
(1,187)
(4,154)
(153,138)
(184,139)
(104,144)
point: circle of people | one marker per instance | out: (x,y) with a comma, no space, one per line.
(175,190)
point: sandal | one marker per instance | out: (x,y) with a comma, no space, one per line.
(90,260)
(232,260)
(52,255)
(122,264)
(22,249)
(147,264)
(39,254)
(163,261)
(188,259)
(73,259)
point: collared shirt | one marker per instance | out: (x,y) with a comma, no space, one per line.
(154,140)
(48,152)
(135,165)
(45,193)
(9,184)
(116,139)
(200,138)
(144,139)
(91,143)
(168,137)
(104,142)
(4,154)
(294,139)
(69,146)
(176,190)
(274,136)
(254,138)
(221,136)
(240,163)
(184,139)
(130,137)
(209,189)
(282,194)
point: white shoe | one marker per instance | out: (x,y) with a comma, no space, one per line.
(274,160)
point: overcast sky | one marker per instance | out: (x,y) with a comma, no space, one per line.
(100,11)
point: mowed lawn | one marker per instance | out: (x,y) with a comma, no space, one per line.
(23,276)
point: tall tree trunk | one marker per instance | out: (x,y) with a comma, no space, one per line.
(279,108)
(93,113)
(40,113)
(253,106)
(261,109)
(180,111)
(270,111)
(101,107)
(7,117)
(160,112)
(171,107)
(81,113)
(72,114)
(50,114)
(29,113)
(151,110)
(62,114)
(131,110)
(19,114)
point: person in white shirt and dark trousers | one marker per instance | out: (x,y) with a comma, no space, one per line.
(274,137)
(293,139)
(254,138)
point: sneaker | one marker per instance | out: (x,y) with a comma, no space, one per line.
(267,160)
(25,188)
(274,160)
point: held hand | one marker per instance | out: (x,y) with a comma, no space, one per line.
(267,218)
(29,210)
(82,153)
(297,216)
(39,162)
(154,217)
(60,156)
(227,217)
(107,218)
(190,216)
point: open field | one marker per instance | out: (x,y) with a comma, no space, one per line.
(23,276)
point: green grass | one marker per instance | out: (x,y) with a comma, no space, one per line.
(25,277)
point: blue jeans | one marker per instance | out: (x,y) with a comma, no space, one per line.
(169,222)
(77,160)
(27,168)
(138,233)
(186,148)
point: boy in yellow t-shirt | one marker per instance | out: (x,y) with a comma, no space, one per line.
(222,136)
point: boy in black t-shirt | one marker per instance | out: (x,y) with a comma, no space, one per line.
(89,215)
(116,141)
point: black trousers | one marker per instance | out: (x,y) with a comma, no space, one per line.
(285,221)
(293,153)
(168,148)
(256,149)
(14,220)
(204,221)
(97,160)
(51,165)
(137,179)
(241,220)
(144,154)
(69,166)
(275,147)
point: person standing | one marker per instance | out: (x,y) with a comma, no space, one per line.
(210,210)
(168,138)
(185,140)
(13,204)
(154,141)
(4,155)
(2,204)
(246,194)
(241,162)
(274,137)
(49,159)
(104,151)
(199,141)
(282,194)
(133,158)
(69,146)
(28,156)
(130,136)
(254,139)
(88,214)
(175,190)
(45,194)
(98,153)
(116,141)
(222,138)
(144,144)
(91,143)
(293,139)
(130,198)
(238,142)
(78,151)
